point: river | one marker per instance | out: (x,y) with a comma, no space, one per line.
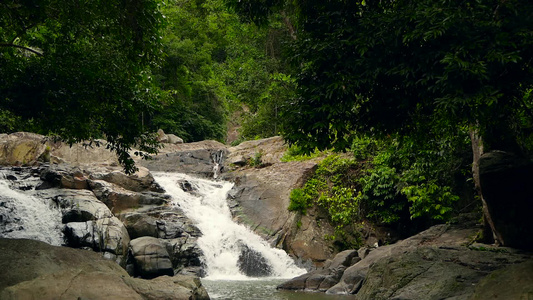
(260,289)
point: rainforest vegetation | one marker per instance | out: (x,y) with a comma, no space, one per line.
(409,92)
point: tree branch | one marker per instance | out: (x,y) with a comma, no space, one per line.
(289,25)
(22,47)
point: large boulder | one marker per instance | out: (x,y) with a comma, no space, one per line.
(107,235)
(434,264)
(200,162)
(176,232)
(323,279)
(185,255)
(150,258)
(166,287)
(21,148)
(36,270)
(119,199)
(252,263)
(89,223)
(77,205)
(140,224)
(260,199)
(64,176)
(165,222)
(83,154)
(431,273)
(141,180)
(507,186)
(174,139)
(512,282)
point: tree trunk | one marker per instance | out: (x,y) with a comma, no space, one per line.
(289,25)
(490,234)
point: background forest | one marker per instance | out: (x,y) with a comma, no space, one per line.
(414,91)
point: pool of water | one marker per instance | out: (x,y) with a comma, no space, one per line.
(260,289)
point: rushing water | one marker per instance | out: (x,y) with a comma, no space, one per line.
(222,239)
(23,215)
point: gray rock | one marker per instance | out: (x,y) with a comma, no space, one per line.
(431,273)
(142,180)
(35,270)
(150,257)
(78,205)
(173,139)
(199,162)
(64,176)
(512,282)
(324,279)
(119,199)
(270,149)
(344,258)
(165,287)
(252,263)
(363,252)
(140,224)
(185,255)
(434,264)
(161,136)
(101,235)
(166,222)
(76,180)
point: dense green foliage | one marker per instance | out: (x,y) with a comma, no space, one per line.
(394,181)
(80,70)
(218,70)
(398,83)
(389,66)
(120,69)
(194,107)
(415,77)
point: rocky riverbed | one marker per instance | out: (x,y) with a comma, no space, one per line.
(134,235)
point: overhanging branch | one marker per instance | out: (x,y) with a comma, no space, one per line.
(22,47)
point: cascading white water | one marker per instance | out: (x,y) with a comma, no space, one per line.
(223,240)
(25,216)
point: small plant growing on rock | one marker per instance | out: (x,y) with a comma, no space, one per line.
(256,160)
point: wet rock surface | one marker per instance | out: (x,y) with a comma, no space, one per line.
(176,232)
(104,215)
(252,263)
(260,199)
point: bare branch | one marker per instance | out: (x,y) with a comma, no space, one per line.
(22,47)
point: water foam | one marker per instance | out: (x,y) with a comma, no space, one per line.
(24,216)
(222,240)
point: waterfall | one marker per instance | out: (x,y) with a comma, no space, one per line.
(231,250)
(25,216)
(217,157)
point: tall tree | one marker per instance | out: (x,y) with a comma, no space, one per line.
(397,66)
(80,70)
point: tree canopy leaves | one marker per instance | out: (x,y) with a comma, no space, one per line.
(385,66)
(80,70)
